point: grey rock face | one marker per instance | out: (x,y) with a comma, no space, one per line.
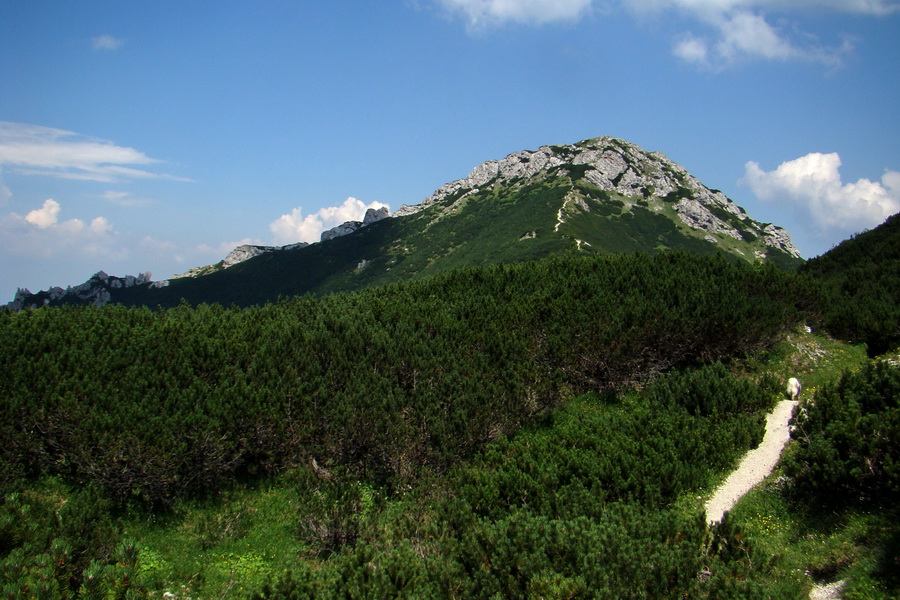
(18,302)
(373,215)
(694,214)
(777,237)
(244,252)
(345,228)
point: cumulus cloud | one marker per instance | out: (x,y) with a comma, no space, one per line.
(100,226)
(45,216)
(106,42)
(812,183)
(294,227)
(485,13)
(36,150)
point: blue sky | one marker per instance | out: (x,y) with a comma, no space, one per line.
(138,136)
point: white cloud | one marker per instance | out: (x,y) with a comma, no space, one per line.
(36,150)
(106,42)
(748,34)
(692,49)
(45,216)
(294,227)
(485,13)
(742,35)
(100,226)
(735,31)
(41,234)
(812,183)
(730,31)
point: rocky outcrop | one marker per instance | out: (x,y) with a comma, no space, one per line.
(375,214)
(244,252)
(248,251)
(347,227)
(694,213)
(97,291)
(624,169)
(237,256)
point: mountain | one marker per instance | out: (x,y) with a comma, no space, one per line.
(599,195)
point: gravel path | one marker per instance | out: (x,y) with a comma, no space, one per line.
(753,468)
(756,464)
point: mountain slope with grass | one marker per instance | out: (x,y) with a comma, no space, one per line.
(602,195)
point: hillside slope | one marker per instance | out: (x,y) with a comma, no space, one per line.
(860,279)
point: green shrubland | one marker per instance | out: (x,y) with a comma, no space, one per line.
(539,430)
(149,406)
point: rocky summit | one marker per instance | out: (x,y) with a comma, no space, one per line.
(625,170)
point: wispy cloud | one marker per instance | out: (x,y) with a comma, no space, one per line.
(865,7)
(736,31)
(106,42)
(124,199)
(812,184)
(725,32)
(480,14)
(37,150)
(294,227)
(739,36)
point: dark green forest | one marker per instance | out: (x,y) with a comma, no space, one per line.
(505,431)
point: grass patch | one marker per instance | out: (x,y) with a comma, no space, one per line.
(222,548)
(820,547)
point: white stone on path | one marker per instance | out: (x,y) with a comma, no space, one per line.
(832,591)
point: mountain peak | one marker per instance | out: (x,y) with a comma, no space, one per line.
(628,172)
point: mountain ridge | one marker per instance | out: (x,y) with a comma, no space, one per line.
(599,195)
